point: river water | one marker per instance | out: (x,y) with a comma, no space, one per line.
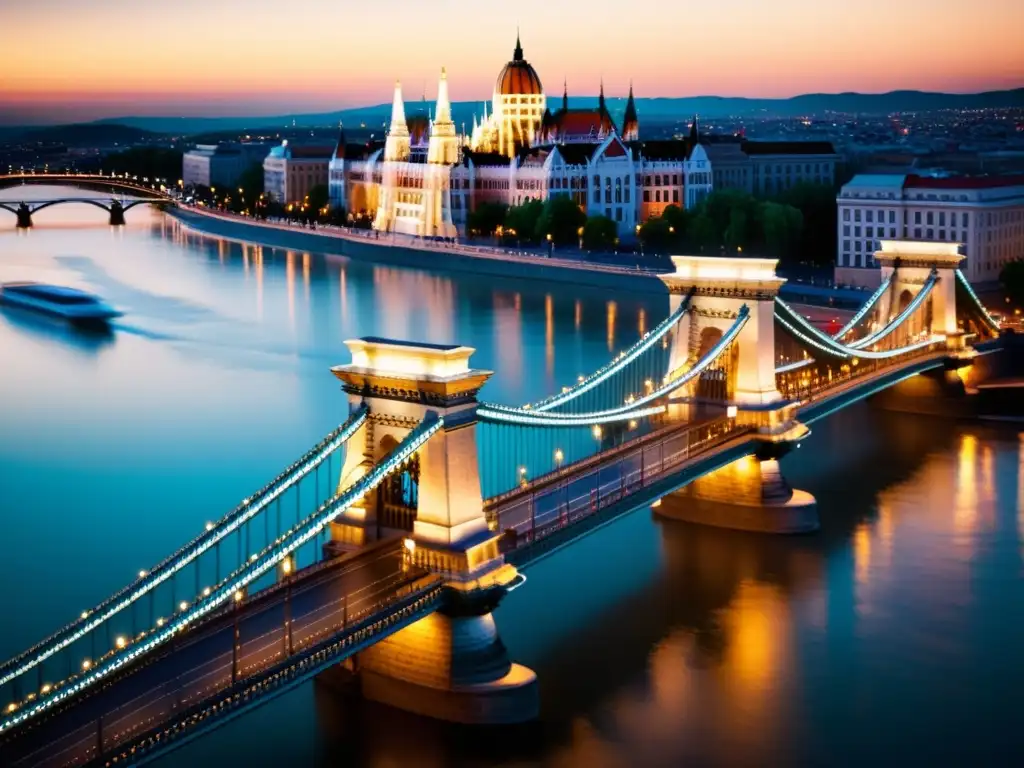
(893,635)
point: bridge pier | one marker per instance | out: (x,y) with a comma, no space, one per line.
(24,214)
(116,214)
(450,665)
(750,494)
(453,666)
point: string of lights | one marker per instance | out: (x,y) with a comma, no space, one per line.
(617,364)
(623,412)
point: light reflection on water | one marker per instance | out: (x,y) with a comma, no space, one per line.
(891,636)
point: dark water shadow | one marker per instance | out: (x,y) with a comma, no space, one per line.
(86,340)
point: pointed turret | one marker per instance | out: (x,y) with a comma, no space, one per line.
(396,146)
(339,148)
(444,105)
(565,95)
(443,146)
(517,54)
(630,123)
(694,131)
(602,107)
(399,126)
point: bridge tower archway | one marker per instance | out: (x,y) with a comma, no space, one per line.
(721,287)
(909,265)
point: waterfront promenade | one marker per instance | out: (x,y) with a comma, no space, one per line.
(408,250)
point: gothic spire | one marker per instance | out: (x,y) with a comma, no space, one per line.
(444,105)
(565,94)
(694,131)
(399,127)
(517,54)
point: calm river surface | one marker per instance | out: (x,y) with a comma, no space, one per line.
(893,636)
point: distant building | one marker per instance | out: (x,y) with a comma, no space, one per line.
(776,166)
(985,214)
(212,165)
(290,171)
(426,178)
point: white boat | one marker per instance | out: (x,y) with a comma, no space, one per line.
(71,304)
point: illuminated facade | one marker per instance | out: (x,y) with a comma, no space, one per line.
(425,178)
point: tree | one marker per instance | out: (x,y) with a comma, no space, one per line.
(702,233)
(146,162)
(599,233)
(561,218)
(317,199)
(655,235)
(1012,278)
(817,204)
(521,221)
(485,219)
(781,227)
(251,182)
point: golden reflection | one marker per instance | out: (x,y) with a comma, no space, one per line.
(966,510)
(289,279)
(578,314)
(245,259)
(862,553)
(258,262)
(612,309)
(641,322)
(305,275)
(988,482)
(757,627)
(221,250)
(549,335)
(885,525)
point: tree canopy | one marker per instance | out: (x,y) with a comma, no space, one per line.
(1012,278)
(599,234)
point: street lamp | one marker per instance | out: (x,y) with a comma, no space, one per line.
(551,244)
(558,457)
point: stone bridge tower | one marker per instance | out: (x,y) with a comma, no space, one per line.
(452,664)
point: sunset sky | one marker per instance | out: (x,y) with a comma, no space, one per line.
(66,60)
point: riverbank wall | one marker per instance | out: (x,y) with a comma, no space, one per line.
(439,259)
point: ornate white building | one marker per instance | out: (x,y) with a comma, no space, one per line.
(425,178)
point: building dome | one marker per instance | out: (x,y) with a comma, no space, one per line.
(518,77)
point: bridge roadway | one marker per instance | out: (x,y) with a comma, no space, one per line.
(555,509)
(335,608)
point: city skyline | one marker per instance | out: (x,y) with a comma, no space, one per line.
(117,58)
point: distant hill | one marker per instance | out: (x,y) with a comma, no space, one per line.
(103,134)
(652,108)
(120,129)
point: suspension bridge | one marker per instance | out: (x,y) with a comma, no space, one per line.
(386,547)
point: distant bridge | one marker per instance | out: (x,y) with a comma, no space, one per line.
(115,208)
(402,554)
(150,192)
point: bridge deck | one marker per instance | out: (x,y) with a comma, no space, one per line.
(325,602)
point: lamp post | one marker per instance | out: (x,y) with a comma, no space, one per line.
(551,245)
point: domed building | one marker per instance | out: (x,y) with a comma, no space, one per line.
(517,109)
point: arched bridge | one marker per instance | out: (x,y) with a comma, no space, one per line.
(116,208)
(392,540)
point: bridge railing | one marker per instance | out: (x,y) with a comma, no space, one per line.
(213,687)
(811,383)
(558,500)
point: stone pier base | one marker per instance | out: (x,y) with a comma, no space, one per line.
(748,495)
(450,668)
